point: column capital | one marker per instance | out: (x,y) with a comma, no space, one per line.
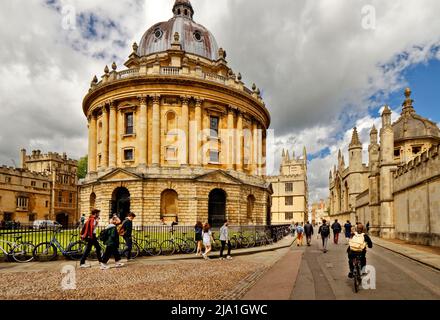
(199,101)
(111,104)
(185,99)
(103,108)
(156,98)
(142,99)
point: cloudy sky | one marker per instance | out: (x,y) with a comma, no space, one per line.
(324,66)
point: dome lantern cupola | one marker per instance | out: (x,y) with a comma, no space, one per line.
(183,8)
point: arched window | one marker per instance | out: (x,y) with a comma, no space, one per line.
(250,208)
(186,12)
(346,197)
(178,12)
(171,124)
(92,201)
(169,206)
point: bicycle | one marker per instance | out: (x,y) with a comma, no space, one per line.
(48,251)
(148,246)
(239,241)
(357,272)
(171,246)
(192,244)
(19,251)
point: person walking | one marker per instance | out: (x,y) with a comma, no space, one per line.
(126,231)
(198,229)
(368,226)
(324,231)
(308,230)
(83,220)
(292,228)
(207,238)
(347,230)
(224,239)
(110,237)
(336,227)
(88,234)
(299,234)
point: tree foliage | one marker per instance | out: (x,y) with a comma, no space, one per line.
(82,167)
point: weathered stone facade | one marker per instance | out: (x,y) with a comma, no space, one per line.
(163,131)
(290,190)
(402,196)
(43,188)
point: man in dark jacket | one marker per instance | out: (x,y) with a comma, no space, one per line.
(308,230)
(360,230)
(126,232)
(336,227)
(324,231)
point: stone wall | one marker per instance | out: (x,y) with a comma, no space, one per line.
(417,199)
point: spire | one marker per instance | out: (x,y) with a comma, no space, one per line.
(355,139)
(305,153)
(287,155)
(408,103)
(373,135)
(183,8)
(330,175)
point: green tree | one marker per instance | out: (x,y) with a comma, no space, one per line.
(82,167)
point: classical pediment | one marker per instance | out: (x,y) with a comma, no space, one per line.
(218,176)
(119,175)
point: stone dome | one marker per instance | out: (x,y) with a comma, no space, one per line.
(193,37)
(410,125)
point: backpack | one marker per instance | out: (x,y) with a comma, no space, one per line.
(104,235)
(357,243)
(325,230)
(121,229)
(300,229)
(84,230)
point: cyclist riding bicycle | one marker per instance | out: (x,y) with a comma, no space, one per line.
(357,246)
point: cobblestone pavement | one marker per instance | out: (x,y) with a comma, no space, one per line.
(143,279)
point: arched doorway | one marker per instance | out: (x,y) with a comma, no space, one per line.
(62,218)
(217,208)
(121,202)
(269,211)
(169,206)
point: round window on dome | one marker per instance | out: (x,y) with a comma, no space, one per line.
(158,33)
(198,36)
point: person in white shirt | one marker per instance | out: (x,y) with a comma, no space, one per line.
(224,238)
(207,240)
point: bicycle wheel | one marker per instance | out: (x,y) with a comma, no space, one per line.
(152,248)
(134,250)
(355,278)
(252,242)
(75,250)
(184,246)
(192,246)
(244,242)
(234,243)
(23,252)
(45,251)
(167,248)
(216,245)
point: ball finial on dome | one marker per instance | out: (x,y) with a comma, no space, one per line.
(407,92)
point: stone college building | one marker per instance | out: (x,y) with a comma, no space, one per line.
(176,135)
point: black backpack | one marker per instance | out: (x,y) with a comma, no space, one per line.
(325,230)
(104,235)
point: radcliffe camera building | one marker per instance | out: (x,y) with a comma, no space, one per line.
(177,135)
(398,192)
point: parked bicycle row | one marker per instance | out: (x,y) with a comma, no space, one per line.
(132,242)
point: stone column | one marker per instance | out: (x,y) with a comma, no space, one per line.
(259,150)
(184,141)
(92,143)
(142,131)
(104,151)
(198,131)
(254,167)
(156,131)
(230,141)
(112,136)
(239,142)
